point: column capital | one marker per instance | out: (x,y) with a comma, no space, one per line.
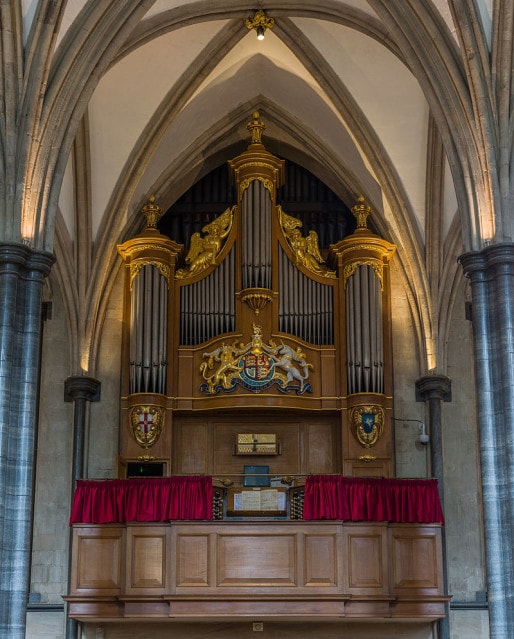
(434,387)
(23,258)
(491,257)
(81,387)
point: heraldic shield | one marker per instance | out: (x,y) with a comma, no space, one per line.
(367,424)
(146,423)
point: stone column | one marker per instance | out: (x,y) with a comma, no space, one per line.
(22,274)
(491,273)
(433,390)
(79,389)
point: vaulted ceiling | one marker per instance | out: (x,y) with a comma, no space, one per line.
(369,95)
(330,82)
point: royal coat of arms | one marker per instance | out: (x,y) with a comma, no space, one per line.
(255,366)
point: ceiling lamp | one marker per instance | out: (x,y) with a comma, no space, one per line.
(260,22)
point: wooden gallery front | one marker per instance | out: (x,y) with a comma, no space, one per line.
(256,471)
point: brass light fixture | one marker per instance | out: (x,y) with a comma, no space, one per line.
(260,22)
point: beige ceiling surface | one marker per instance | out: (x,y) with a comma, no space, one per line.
(375,97)
(330,85)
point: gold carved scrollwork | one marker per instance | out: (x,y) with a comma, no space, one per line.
(268,184)
(350,269)
(367,424)
(256,298)
(138,264)
(146,424)
(305,249)
(204,250)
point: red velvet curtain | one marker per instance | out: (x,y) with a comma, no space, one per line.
(124,500)
(356,499)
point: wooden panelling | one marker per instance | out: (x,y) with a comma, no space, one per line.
(271,569)
(224,435)
(416,559)
(375,468)
(192,446)
(147,552)
(192,560)
(321,448)
(321,559)
(260,560)
(207,446)
(97,553)
(366,558)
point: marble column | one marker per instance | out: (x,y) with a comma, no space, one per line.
(80,389)
(22,275)
(491,273)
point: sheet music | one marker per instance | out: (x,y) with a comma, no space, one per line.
(270,499)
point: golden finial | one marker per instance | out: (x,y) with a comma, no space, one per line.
(256,128)
(361,211)
(152,212)
(260,22)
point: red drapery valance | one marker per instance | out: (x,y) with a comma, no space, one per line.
(125,500)
(356,499)
(190,498)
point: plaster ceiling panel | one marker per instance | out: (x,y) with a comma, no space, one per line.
(450,200)
(296,100)
(265,80)
(388,95)
(362,5)
(484,6)
(271,48)
(445,11)
(73,8)
(164,5)
(126,99)
(67,198)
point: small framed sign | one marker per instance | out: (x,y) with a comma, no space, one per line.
(256,444)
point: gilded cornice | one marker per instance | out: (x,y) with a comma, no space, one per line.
(375,264)
(267,183)
(138,264)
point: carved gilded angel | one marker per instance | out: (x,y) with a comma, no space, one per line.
(204,250)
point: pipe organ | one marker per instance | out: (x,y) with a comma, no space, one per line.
(257,372)
(251,329)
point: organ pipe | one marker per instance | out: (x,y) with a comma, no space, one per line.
(365,357)
(148,343)
(305,305)
(363,258)
(150,260)
(256,222)
(207,307)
